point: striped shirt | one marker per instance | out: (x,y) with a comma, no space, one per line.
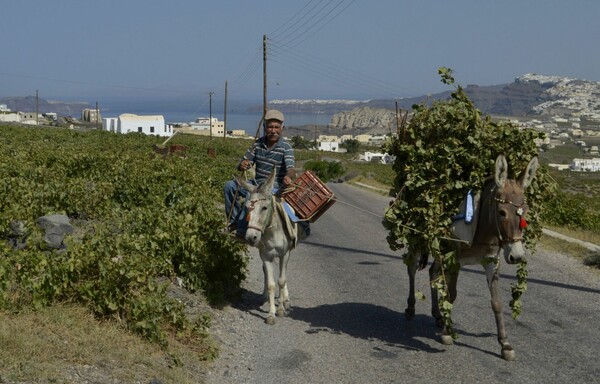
(280,156)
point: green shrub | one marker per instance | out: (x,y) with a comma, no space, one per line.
(325,170)
(141,221)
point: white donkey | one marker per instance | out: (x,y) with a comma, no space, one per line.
(275,236)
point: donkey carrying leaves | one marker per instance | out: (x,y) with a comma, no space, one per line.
(500,224)
(270,230)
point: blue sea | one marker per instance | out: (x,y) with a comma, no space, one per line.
(237,115)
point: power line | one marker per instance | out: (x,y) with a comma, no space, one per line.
(286,23)
(297,32)
(322,25)
(335,72)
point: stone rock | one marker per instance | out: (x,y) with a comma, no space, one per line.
(55,228)
(17,238)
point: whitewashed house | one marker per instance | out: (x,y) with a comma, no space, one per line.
(327,138)
(377,157)
(147,124)
(13,117)
(586,165)
(208,126)
(30,118)
(364,138)
(330,146)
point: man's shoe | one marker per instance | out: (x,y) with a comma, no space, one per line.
(231,228)
(238,238)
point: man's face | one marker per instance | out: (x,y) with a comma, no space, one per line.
(273,131)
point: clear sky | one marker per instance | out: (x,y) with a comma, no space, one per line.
(336,49)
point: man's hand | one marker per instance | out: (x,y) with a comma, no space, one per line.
(287,181)
(244,165)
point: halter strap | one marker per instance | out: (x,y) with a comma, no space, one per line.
(270,212)
(520,212)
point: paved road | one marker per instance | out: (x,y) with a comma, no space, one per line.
(347,325)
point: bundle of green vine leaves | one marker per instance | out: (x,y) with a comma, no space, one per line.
(445,150)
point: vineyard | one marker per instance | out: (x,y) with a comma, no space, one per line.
(144,222)
(141,221)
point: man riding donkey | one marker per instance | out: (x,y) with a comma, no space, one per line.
(270,153)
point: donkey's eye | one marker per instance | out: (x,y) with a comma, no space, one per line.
(502,213)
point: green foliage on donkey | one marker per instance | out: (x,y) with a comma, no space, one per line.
(445,150)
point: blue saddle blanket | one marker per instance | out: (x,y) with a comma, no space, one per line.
(467,214)
(290,212)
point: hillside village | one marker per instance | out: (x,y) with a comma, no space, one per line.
(567,110)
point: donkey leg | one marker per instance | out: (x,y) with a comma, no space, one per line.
(411,267)
(266,283)
(493,276)
(268,269)
(451,280)
(284,298)
(434,272)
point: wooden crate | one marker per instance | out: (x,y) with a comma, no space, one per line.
(310,198)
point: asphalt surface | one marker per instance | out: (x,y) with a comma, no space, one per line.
(348,293)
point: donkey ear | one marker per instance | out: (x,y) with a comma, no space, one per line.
(242,182)
(501,170)
(528,174)
(267,186)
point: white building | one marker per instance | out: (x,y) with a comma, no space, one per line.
(4,108)
(208,126)
(330,146)
(30,118)
(13,117)
(364,138)
(128,122)
(331,138)
(377,157)
(586,165)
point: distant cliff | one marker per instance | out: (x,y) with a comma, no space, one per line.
(28,104)
(529,95)
(376,120)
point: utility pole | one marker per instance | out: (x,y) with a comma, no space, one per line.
(264,77)
(225,113)
(397,120)
(37,115)
(97,114)
(210,112)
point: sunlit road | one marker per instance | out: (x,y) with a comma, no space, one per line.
(347,325)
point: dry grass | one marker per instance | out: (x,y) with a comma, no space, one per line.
(561,246)
(587,257)
(376,187)
(589,236)
(66,344)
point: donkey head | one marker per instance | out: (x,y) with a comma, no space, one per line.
(259,208)
(509,198)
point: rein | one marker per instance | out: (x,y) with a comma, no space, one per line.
(270,212)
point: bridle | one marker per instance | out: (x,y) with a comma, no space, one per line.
(270,211)
(520,212)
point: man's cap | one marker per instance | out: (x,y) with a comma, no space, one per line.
(273,114)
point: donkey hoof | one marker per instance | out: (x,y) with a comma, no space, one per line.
(409,314)
(270,320)
(439,322)
(280,312)
(447,340)
(287,305)
(508,354)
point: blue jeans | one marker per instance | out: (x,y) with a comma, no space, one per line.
(235,209)
(235,205)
